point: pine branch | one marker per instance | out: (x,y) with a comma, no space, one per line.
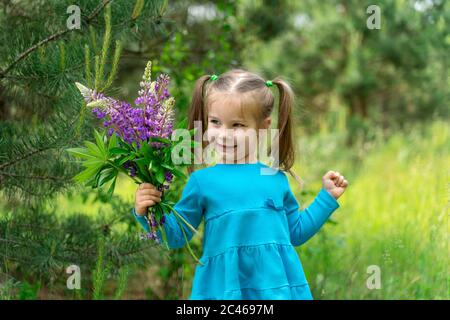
(32,177)
(32,153)
(51,38)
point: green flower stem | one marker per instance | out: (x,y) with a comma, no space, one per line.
(124,171)
(151,220)
(177,217)
(176,213)
(164,237)
(187,243)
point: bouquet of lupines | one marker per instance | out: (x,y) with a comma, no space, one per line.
(135,141)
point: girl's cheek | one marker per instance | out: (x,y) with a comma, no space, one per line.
(211,134)
(245,137)
(240,140)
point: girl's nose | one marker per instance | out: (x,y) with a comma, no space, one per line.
(226,137)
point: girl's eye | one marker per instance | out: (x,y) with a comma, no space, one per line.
(239,125)
(214,121)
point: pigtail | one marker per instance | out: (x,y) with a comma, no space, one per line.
(197,113)
(285,140)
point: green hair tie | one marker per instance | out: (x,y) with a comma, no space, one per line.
(269,83)
(214,77)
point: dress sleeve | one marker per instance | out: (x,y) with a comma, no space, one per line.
(307,222)
(189,207)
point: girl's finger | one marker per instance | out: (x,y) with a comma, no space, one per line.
(340,180)
(149,197)
(146,203)
(345,183)
(335,180)
(143,186)
(151,192)
(329,175)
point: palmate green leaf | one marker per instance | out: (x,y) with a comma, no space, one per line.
(177,173)
(117,150)
(146,151)
(167,166)
(94,150)
(93,162)
(141,161)
(99,139)
(150,166)
(160,139)
(88,173)
(112,143)
(120,161)
(122,144)
(160,176)
(107,174)
(124,158)
(80,153)
(112,187)
(142,169)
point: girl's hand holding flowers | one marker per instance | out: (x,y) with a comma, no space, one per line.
(334,183)
(146,196)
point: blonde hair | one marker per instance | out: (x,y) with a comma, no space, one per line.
(238,82)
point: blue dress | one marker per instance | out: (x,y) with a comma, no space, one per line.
(252,224)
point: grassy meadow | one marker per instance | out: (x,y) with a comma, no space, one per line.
(393,215)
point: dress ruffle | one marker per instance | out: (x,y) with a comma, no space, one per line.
(265,271)
(301,292)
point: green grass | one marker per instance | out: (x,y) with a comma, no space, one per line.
(393,215)
(66,206)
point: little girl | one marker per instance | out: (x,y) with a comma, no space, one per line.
(252,219)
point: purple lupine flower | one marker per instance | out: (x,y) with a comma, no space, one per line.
(153,115)
(169,176)
(133,171)
(98,113)
(153,222)
(131,167)
(148,236)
